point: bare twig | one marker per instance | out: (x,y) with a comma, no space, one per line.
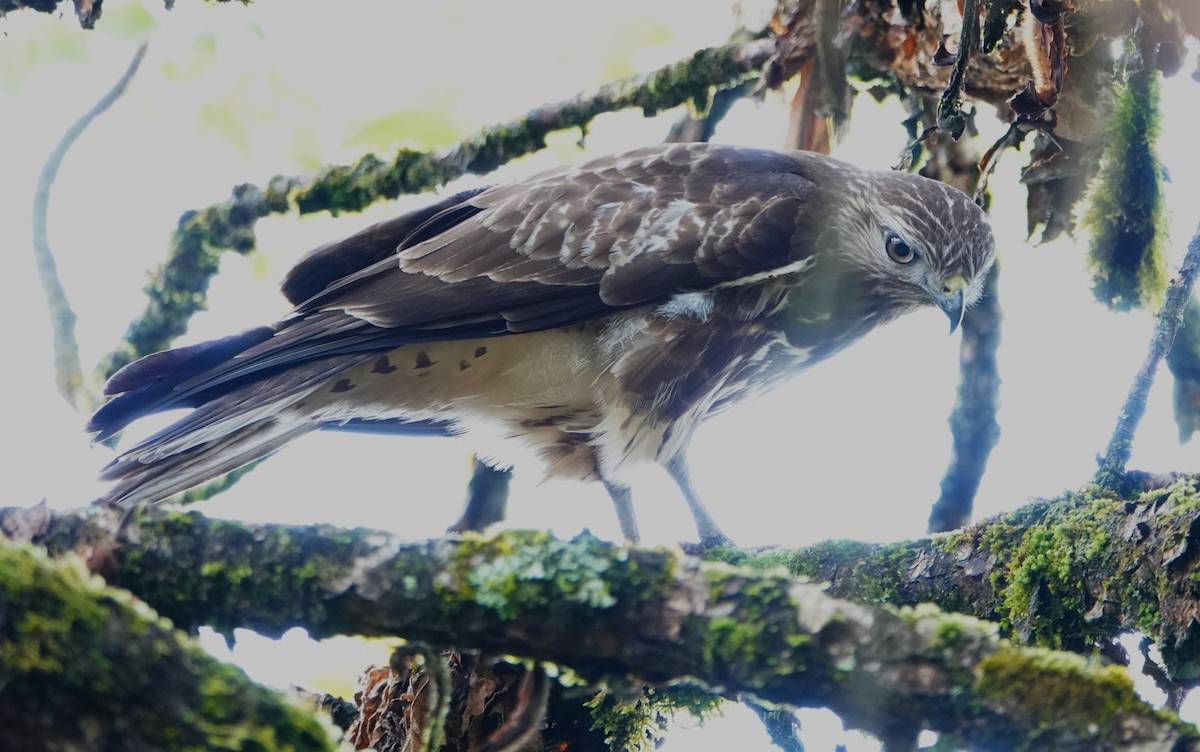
(1184,362)
(950,117)
(68,373)
(693,127)
(1013,137)
(780,723)
(487,497)
(1170,316)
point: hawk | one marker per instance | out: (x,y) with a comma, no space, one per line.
(595,314)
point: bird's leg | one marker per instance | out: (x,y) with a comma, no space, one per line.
(710,533)
(622,498)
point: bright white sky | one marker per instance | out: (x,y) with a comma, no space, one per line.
(853,448)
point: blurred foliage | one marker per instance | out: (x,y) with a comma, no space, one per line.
(1125,214)
(62,41)
(233,114)
(128,20)
(254,100)
(52,43)
(201,60)
(629,37)
(426,125)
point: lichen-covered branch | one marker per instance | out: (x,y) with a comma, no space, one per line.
(1170,316)
(1069,572)
(178,289)
(68,373)
(84,666)
(603,611)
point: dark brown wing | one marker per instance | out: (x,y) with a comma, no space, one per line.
(325,265)
(559,248)
(575,244)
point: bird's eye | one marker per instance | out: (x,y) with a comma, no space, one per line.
(898,250)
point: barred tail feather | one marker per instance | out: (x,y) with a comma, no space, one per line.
(165,476)
(235,426)
(152,384)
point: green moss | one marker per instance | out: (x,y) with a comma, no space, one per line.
(636,721)
(1126,214)
(79,662)
(514,572)
(49,614)
(1043,592)
(1044,689)
(234,571)
(952,630)
(760,638)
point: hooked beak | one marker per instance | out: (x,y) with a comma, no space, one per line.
(951,298)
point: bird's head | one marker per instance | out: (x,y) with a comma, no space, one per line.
(913,242)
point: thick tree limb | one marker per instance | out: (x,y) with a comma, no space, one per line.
(1066,573)
(1170,316)
(179,287)
(661,616)
(83,666)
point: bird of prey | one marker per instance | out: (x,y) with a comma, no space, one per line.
(594,314)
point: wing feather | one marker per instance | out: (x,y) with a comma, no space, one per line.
(561,248)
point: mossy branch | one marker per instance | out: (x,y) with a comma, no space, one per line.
(658,616)
(178,289)
(85,666)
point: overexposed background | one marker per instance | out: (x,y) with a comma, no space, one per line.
(853,448)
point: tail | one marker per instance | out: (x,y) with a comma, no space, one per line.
(235,421)
(146,474)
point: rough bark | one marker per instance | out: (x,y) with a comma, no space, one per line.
(659,616)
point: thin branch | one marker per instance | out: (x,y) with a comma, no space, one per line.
(701,127)
(1170,316)
(68,373)
(973,421)
(179,287)
(780,724)
(487,497)
(950,117)
(1184,362)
